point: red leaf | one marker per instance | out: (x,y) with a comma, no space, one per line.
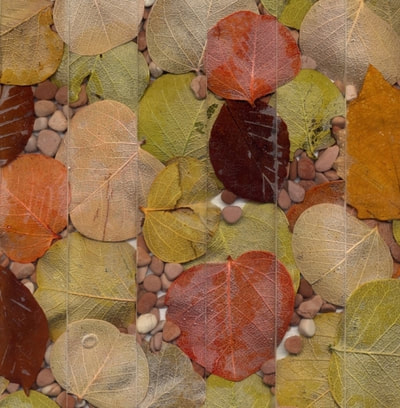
(16,120)
(24,332)
(249,150)
(33,205)
(232,315)
(249,55)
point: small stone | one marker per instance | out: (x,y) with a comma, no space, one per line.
(47,353)
(155,71)
(293,344)
(306,169)
(82,98)
(46,90)
(307,327)
(146,323)
(4,260)
(295,319)
(22,270)
(158,328)
(48,142)
(293,170)
(62,95)
(269,367)
(156,313)
(307,184)
(309,308)
(68,111)
(146,302)
(152,283)
(305,289)
(58,121)
(231,214)
(157,341)
(30,286)
(65,400)
(160,301)
(284,200)
(351,93)
(142,257)
(295,35)
(148,3)
(320,178)
(199,86)
(141,40)
(298,299)
(165,282)
(331,175)
(140,242)
(40,123)
(327,308)
(12,387)
(339,121)
(141,273)
(308,62)
(326,158)
(45,377)
(51,390)
(296,192)
(44,108)
(269,379)
(31,145)
(197,368)
(228,197)
(170,331)
(173,270)
(156,265)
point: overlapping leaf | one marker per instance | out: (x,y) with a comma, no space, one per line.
(396,230)
(35,399)
(249,55)
(389,10)
(83,279)
(232,314)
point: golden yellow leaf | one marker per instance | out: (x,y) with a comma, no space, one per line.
(30,50)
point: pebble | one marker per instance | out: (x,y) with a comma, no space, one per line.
(293,170)
(385,231)
(145,323)
(156,313)
(31,145)
(326,158)
(309,308)
(82,98)
(152,283)
(199,87)
(172,270)
(269,379)
(131,329)
(44,108)
(146,302)
(156,342)
(351,93)
(140,242)
(141,273)
(306,184)
(295,319)
(165,282)
(339,121)
(228,197)
(156,265)
(62,95)
(320,178)
(58,121)
(296,192)
(148,3)
(160,301)
(231,214)
(141,41)
(48,142)
(269,367)
(331,175)
(293,344)
(45,377)
(4,260)
(65,400)
(30,286)
(305,289)
(298,299)
(40,123)
(158,328)
(327,308)
(197,368)
(12,387)
(307,327)
(47,353)
(155,71)
(284,200)
(142,257)
(306,169)
(46,90)
(68,111)
(22,270)
(340,85)
(170,331)
(308,62)
(51,390)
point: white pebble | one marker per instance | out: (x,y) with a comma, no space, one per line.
(146,323)
(47,353)
(148,3)
(58,121)
(351,93)
(40,123)
(155,71)
(307,327)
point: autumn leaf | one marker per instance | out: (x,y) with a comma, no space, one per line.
(30,50)
(337,253)
(179,219)
(372,150)
(99,25)
(16,120)
(79,278)
(33,206)
(232,314)
(254,165)
(3,384)
(249,55)
(176,33)
(24,332)
(365,354)
(96,362)
(34,400)
(388,10)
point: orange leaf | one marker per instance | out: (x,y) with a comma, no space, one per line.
(249,55)
(373,149)
(33,205)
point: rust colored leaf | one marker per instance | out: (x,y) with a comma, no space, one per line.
(23,332)
(373,149)
(249,150)
(33,205)
(232,314)
(16,120)
(331,192)
(249,55)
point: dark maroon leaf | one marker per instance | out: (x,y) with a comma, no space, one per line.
(23,332)
(249,150)
(16,120)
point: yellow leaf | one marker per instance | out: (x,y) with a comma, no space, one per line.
(30,50)
(20,400)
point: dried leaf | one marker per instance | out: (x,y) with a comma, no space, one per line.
(389,10)
(173,122)
(99,25)
(35,399)
(372,182)
(24,332)
(30,50)
(83,279)
(337,253)
(307,104)
(121,74)
(232,314)
(345,36)
(3,385)
(250,392)
(396,230)
(364,366)
(249,55)
(177,30)
(96,362)
(173,383)
(179,219)
(16,120)
(302,380)
(33,206)
(249,150)
(110,175)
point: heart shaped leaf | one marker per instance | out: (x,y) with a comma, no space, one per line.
(34,400)
(249,150)
(249,55)
(24,332)
(33,205)
(232,314)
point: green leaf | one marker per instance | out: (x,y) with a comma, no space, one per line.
(389,10)
(79,278)
(250,392)
(262,227)
(307,104)
(3,384)
(20,400)
(302,380)
(120,74)
(364,367)
(173,122)
(396,230)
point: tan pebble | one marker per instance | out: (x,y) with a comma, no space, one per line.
(22,270)
(298,153)
(295,319)
(47,353)
(146,302)
(140,242)
(82,98)
(228,197)
(293,344)
(152,283)
(51,390)
(156,313)
(12,387)
(269,367)
(232,214)
(40,123)
(4,260)
(30,286)
(48,142)
(152,344)
(326,158)
(320,178)
(305,289)
(298,299)
(309,308)
(141,273)
(351,93)
(305,168)
(146,56)
(65,400)
(46,90)
(148,3)
(142,257)
(158,328)
(327,308)
(58,121)
(146,323)
(339,121)
(269,379)
(307,327)
(296,192)
(170,331)
(307,184)
(308,62)
(155,71)
(173,270)
(331,175)
(62,95)
(199,369)
(156,265)
(31,145)
(284,200)
(44,108)
(80,403)
(141,41)
(67,111)
(45,377)
(131,328)
(199,86)
(160,301)
(165,282)
(293,170)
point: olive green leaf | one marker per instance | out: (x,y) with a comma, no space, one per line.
(20,400)
(365,361)
(389,10)
(3,384)
(79,278)
(396,230)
